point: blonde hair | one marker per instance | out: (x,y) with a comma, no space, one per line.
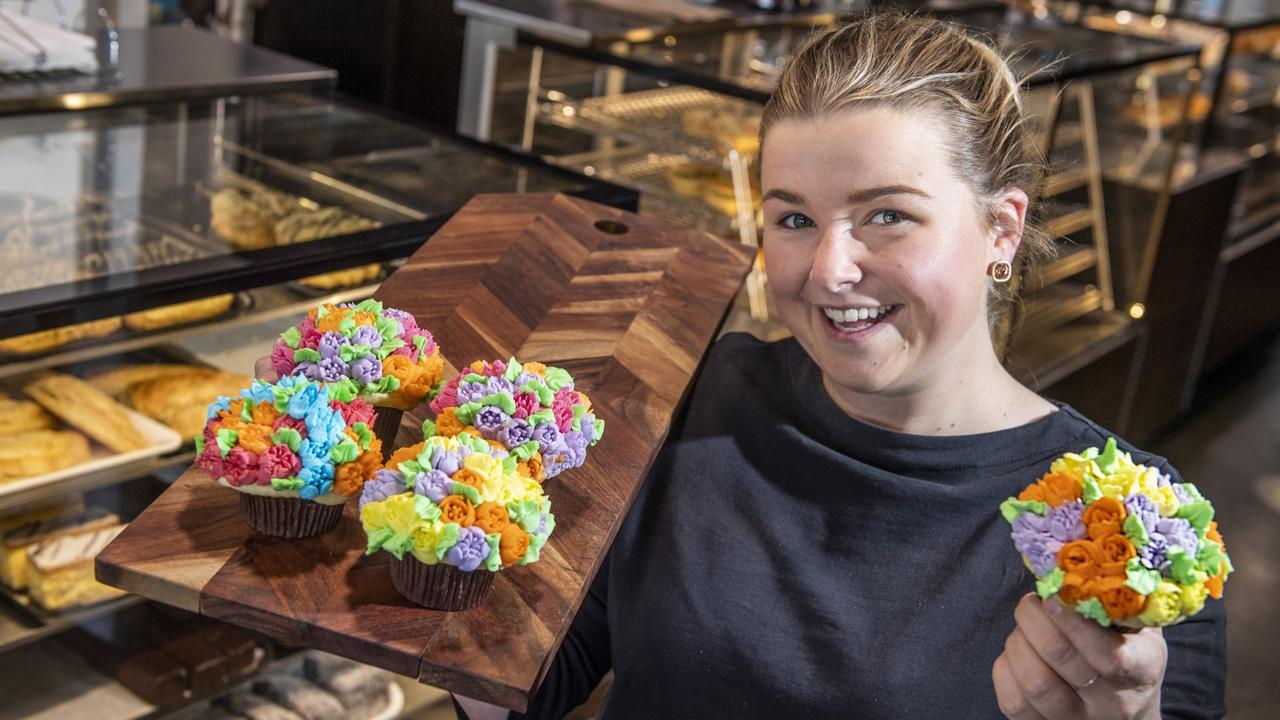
(920,64)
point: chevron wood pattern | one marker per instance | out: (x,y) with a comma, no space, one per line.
(627,304)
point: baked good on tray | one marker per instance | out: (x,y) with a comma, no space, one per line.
(22,416)
(179,313)
(246,218)
(15,542)
(115,381)
(304,225)
(87,409)
(61,574)
(36,452)
(57,337)
(181,400)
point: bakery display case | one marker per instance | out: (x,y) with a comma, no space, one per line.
(146,247)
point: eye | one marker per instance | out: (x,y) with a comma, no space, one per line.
(795,221)
(887,217)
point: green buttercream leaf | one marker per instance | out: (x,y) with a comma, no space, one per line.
(530,554)
(557,378)
(493,563)
(420,342)
(410,469)
(344,390)
(350,352)
(474,378)
(1141,579)
(426,509)
(199,444)
(524,451)
(387,384)
(246,411)
(1210,557)
(347,327)
(1089,453)
(376,539)
(1182,567)
(281,398)
(508,465)
(465,491)
(525,513)
(344,452)
(545,394)
(1191,490)
(1050,583)
(502,401)
(292,338)
(1013,507)
(1136,531)
(1197,513)
(1092,609)
(475,444)
(1092,491)
(1107,461)
(398,545)
(287,483)
(542,417)
(448,538)
(389,346)
(227,439)
(387,327)
(364,436)
(428,428)
(514,368)
(369,305)
(322,312)
(467,412)
(306,355)
(599,431)
(288,437)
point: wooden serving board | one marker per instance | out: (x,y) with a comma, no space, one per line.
(626,304)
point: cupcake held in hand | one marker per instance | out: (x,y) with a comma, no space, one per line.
(532,410)
(293,452)
(1117,541)
(453,512)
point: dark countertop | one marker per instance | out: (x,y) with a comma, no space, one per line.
(168,63)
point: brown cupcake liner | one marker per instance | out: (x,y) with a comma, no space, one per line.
(287,517)
(440,586)
(386,423)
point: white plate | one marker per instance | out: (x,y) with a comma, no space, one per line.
(160,440)
(395,703)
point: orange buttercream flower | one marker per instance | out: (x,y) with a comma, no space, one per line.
(496,445)
(492,517)
(1119,600)
(467,476)
(1116,551)
(347,479)
(448,424)
(1214,586)
(457,509)
(477,367)
(333,321)
(1054,489)
(231,422)
(255,438)
(584,401)
(264,413)
(363,317)
(403,455)
(536,368)
(1075,587)
(534,466)
(399,367)
(1081,557)
(1103,517)
(513,544)
(236,407)
(473,431)
(1213,534)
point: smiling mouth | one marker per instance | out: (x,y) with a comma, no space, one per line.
(854,320)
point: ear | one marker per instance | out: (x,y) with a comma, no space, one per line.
(1010,217)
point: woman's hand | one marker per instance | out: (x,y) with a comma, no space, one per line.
(1059,664)
(263,371)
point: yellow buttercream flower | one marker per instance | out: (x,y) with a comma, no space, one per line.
(425,537)
(1076,465)
(1193,598)
(497,488)
(1166,500)
(531,489)
(485,466)
(402,514)
(1163,606)
(373,516)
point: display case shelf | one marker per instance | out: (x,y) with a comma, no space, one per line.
(18,627)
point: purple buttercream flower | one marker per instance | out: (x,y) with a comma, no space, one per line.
(1183,496)
(366,370)
(472,392)
(305,368)
(448,461)
(1153,554)
(547,435)
(471,550)
(330,369)
(1145,508)
(542,524)
(1032,538)
(524,379)
(516,432)
(383,484)
(1179,532)
(1063,522)
(434,485)
(1162,480)
(366,335)
(331,344)
(589,429)
(1043,556)
(489,421)
(497,385)
(559,458)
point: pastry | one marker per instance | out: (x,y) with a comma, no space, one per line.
(728,127)
(294,469)
(1118,542)
(153,676)
(22,416)
(49,339)
(206,666)
(181,399)
(689,178)
(28,454)
(256,707)
(69,505)
(179,313)
(343,278)
(116,381)
(327,222)
(361,689)
(304,698)
(86,408)
(247,218)
(61,570)
(15,541)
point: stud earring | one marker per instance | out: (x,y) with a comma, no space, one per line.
(1000,271)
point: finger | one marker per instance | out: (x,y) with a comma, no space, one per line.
(1009,696)
(1043,688)
(1128,659)
(1051,644)
(263,371)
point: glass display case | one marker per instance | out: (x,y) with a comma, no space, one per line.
(170,242)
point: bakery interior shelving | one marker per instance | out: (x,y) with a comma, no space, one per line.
(122,211)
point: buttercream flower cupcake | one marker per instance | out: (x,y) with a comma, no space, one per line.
(530,409)
(1118,541)
(295,454)
(364,350)
(452,512)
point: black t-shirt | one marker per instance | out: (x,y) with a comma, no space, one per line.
(786,560)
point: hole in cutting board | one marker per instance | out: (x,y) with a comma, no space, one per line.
(612,227)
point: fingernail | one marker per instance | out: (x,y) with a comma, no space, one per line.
(1054,606)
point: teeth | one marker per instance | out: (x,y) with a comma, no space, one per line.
(853,315)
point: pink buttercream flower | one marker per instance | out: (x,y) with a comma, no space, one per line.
(278,462)
(282,358)
(239,467)
(311,338)
(356,411)
(526,405)
(495,368)
(448,396)
(211,459)
(562,408)
(293,423)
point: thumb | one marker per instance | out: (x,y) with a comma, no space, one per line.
(263,371)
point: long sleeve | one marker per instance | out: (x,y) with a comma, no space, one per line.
(584,657)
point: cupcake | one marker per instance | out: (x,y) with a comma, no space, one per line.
(1117,541)
(363,350)
(531,409)
(294,452)
(453,512)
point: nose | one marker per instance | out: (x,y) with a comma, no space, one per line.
(837,261)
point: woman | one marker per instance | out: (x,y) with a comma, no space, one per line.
(820,536)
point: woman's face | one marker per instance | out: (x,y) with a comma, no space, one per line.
(876,252)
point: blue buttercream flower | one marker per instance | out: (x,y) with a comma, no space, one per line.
(302,400)
(313,454)
(325,425)
(223,404)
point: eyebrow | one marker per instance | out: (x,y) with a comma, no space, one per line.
(857,196)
